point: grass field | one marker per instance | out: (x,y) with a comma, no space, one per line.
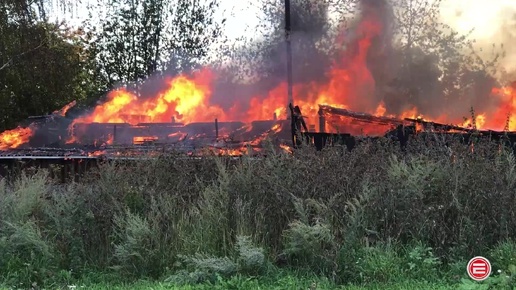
(378,217)
(287,283)
(280,281)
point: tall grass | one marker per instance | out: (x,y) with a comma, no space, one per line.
(352,216)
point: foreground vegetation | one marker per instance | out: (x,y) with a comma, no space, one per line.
(368,217)
(274,282)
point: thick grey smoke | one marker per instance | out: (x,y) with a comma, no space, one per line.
(415,65)
(405,76)
(265,62)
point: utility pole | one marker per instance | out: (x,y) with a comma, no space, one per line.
(289,53)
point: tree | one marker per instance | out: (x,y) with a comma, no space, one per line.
(139,38)
(42,64)
(42,79)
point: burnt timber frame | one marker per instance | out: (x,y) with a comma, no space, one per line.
(401,132)
(77,163)
(318,139)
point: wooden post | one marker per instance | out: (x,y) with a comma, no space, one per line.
(114,134)
(63,171)
(76,167)
(216,129)
(322,122)
(288,51)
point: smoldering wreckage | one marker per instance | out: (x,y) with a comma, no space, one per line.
(41,142)
(185,116)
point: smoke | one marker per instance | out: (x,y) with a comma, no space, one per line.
(380,52)
(371,55)
(506,34)
(498,26)
(317,57)
(261,66)
(417,66)
(368,51)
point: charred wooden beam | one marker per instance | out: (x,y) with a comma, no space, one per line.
(114,134)
(364,117)
(428,125)
(322,121)
(216,129)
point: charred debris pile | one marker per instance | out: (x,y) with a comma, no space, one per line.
(57,135)
(401,130)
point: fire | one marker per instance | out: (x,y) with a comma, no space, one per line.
(110,139)
(504,117)
(348,84)
(15,138)
(96,153)
(142,140)
(185,99)
(62,112)
(480,121)
(286,148)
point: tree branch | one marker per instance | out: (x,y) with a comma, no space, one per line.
(5,65)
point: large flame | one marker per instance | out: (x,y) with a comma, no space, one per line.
(504,116)
(187,98)
(15,138)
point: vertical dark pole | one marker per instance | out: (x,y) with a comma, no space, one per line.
(76,167)
(114,135)
(289,52)
(63,170)
(216,129)
(322,122)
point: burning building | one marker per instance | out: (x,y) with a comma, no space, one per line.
(359,93)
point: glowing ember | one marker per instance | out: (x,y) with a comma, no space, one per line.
(96,153)
(286,148)
(142,140)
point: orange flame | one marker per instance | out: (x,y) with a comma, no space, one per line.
(504,117)
(65,109)
(15,138)
(185,100)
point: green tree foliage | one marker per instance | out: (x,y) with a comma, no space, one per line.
(41,64)
(138,38)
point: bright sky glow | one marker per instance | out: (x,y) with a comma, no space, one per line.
(463,15)
(482,15)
